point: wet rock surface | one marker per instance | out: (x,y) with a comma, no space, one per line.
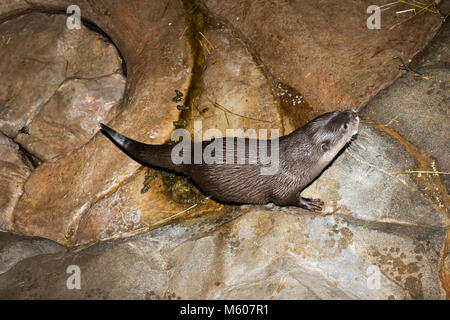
(376,224)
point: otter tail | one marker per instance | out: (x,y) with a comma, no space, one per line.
(146,154)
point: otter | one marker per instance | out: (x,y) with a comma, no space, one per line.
(302,156)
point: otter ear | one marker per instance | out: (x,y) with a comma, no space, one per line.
(325,147)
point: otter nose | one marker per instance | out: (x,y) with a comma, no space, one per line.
(353,113)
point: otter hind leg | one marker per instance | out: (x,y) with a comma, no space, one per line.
(296,200)
(310,204)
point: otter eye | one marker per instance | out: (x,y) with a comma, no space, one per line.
(325,146)
(345,126)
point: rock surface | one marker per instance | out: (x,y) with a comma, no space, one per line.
(261,253)
(418,107)
(71,117)
(37,53)
(236,94)
(381,235)
(360,183)
(239,87)
(147,200)
(306,44)
(63,190)
(15,169)
(15,248)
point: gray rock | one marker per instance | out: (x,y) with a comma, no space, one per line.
(260,254)
(361,182)
(14,249)
(418,107)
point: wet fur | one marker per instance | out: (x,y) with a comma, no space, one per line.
(301,159)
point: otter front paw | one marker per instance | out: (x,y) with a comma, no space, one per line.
(311,204)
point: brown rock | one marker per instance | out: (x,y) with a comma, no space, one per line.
(71,117)
(395,226)
(14,171)
(37,52)
(146,201)
(63,190)
(235,91)
(235,94)
(305,44)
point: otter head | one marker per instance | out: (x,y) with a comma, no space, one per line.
(330,132)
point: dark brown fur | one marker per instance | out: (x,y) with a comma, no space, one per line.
(303,155)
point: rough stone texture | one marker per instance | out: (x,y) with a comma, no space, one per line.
(305,44)
(359,182)
(71,117)
(14,171)
(14,249)
(236,93)
(418,108)
(232,80)
(83,216)
(62,191)
(147,200)
(74,183)
(373,220)
(37,53)
(263,254)
(267,252)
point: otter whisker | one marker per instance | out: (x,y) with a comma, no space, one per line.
(361,146)
(362,134)
(362,139)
